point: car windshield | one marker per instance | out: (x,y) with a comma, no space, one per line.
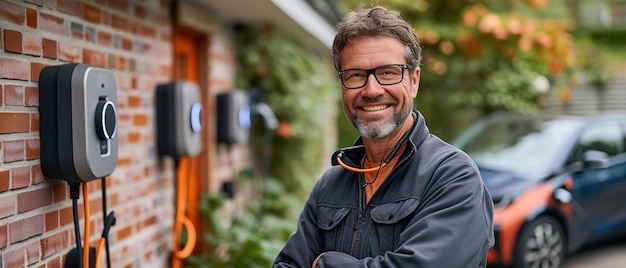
(518,145)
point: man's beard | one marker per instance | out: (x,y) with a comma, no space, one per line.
(384,129)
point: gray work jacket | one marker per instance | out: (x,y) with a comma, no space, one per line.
(433,210)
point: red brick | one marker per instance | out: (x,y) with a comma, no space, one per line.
(148,31)
(23,229)
(7,206)
(32,149)
(31,18)
(1,95)
(127,44)
(121,63)
(36,174)
(134,27)
(13,122)
(52,220)
(13,151)
(14,258)
(20,177)
(32,44)
(66,216)
(91,13)
(12,12)
(119,22)
(124,161)
(33,199)
(54,244)
(69,51)
(119,5)
(14,69)
(134,136)
(106,18)
(49,48)
(14,95)
(4,179)
(34,122)
(52,4)
(135,101)
(67,6)
(140,120)
(31,96)
(140,12)
(51,23)
(54,262)
(35,70)
(3,236)
(104,38)
(32,252)
(94,57)
(13,41)
(124,232)
(59,192)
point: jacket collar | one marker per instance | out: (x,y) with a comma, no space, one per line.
(353,154)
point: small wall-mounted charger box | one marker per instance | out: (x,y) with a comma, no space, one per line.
(233,116)
(179,119)
(78,122)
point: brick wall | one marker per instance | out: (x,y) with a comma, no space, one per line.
(134,40)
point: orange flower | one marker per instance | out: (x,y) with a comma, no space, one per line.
(470,18)
(446,47)
(514,26)
(488,23)
(539,4)
(284,130)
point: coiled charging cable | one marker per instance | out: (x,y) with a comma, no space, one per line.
(183,177)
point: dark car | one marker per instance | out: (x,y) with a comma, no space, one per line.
(558,183)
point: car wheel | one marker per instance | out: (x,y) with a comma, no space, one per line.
(540,244)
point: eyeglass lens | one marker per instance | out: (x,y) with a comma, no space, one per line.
(385,75)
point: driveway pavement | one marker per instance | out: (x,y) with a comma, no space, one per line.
(608,255)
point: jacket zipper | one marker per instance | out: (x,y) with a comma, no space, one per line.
(362,202)
(360,216)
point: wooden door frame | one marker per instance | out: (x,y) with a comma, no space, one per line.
(195,44)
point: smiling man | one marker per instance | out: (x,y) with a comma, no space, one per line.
(400,197)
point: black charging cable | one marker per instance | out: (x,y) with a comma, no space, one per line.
(75,257)
(109,219)
(74,195)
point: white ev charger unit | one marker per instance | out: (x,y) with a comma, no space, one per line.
(233,116)
(78,122)
(179,119)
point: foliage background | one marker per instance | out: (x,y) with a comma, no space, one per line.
(484,56)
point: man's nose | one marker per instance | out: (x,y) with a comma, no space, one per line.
(372,88)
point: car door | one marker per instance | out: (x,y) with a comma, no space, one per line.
(601,192)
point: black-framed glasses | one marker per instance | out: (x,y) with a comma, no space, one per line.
(386,75)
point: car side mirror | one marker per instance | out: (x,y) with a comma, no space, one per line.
(595,159)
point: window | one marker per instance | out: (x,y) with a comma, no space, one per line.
(605,136)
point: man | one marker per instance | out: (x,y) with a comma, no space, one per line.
(400,197)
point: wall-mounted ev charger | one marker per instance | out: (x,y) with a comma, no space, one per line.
(179,119)
(78,122)
(233,116)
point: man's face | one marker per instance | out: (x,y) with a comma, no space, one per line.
(377,110)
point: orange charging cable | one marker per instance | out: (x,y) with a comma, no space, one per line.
(86,246)
(181,221)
